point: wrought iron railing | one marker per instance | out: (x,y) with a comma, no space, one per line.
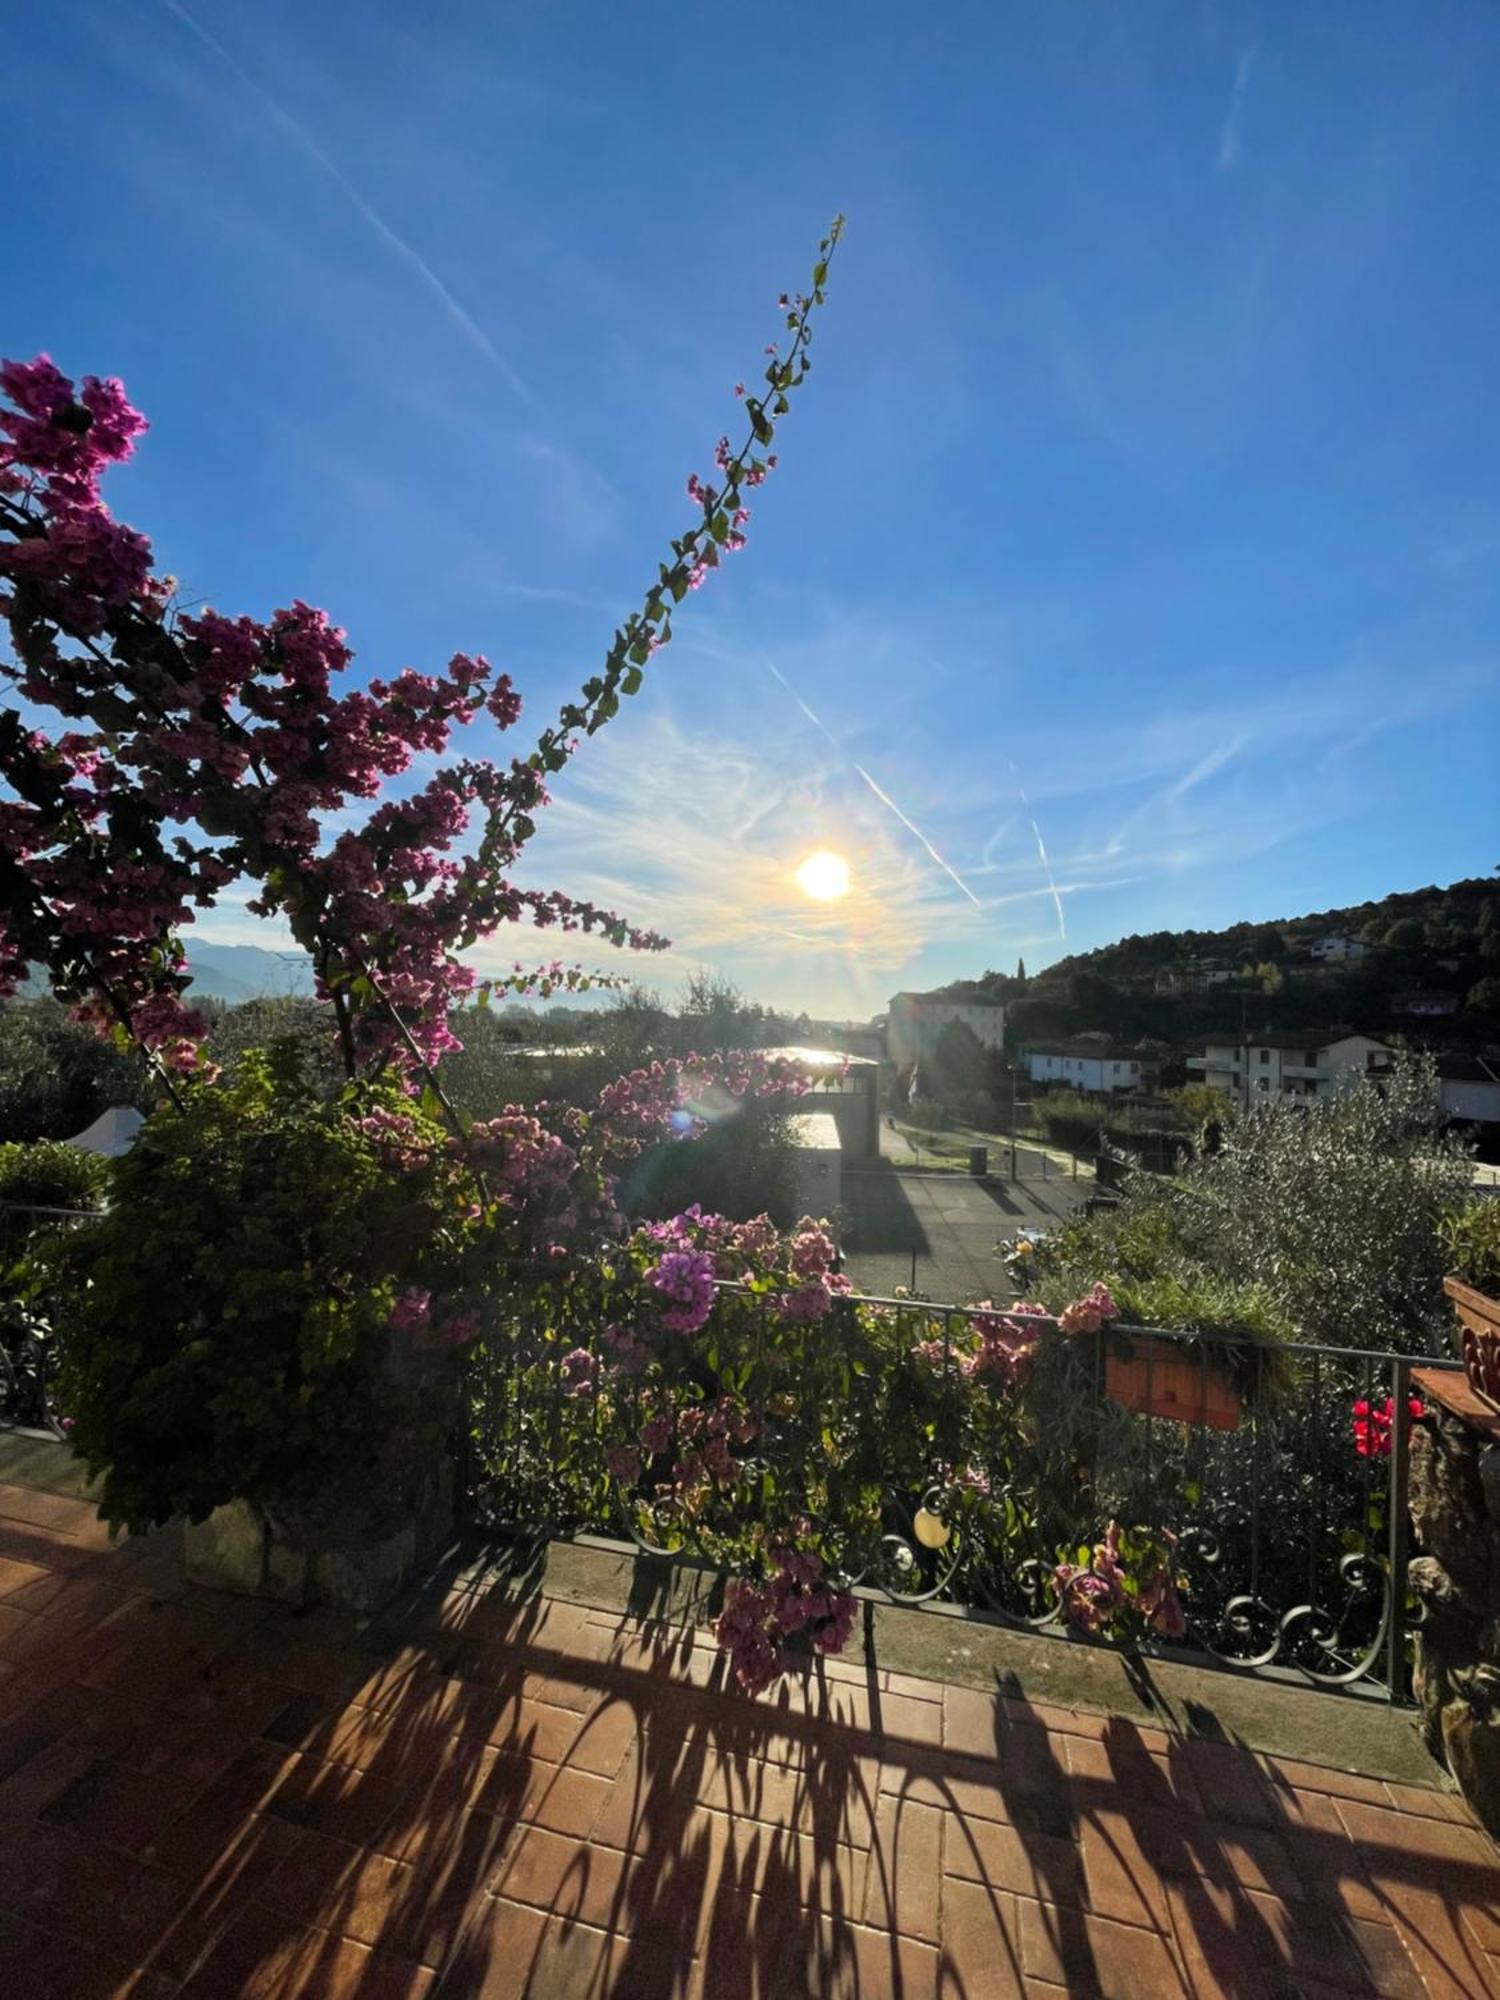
(28,1335)
(1276,1475)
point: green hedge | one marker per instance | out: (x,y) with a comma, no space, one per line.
(49,1174)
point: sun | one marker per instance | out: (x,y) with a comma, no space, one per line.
(824,876)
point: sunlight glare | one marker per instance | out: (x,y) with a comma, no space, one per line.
(824,876)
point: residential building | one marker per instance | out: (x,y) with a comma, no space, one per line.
(1469,1088)
(1424,1001)
(1336,948)
(1083,1065)
(1251,1066)
(916,1021)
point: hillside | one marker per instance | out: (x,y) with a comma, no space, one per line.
(1426,966)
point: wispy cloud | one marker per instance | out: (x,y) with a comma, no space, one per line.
(884,797)
(456,311)
(1231,132)
(576,499)
(698,834)
(917,834)
(1162,802)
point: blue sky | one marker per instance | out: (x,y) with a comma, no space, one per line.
(1135,542)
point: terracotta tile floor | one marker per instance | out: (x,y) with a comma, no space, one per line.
(501,1795)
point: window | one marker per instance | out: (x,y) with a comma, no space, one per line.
(1265,1055)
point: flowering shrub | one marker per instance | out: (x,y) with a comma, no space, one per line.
(1126,1584)
(799,1599)
(1372,1422)
(280,1274)
(202,754)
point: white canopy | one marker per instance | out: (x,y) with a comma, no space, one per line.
(112,1132)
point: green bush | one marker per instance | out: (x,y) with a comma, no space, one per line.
(227,1323)
(1472,1237)
(1330,1210)
(744,1165)
(50,1174)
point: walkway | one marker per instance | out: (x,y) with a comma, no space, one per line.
(501,1794)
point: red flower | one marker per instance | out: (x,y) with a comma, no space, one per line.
(1372,1424)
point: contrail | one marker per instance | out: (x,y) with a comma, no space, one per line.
(884,797)
(816,721)
(462,319)
(1041,848)
(916,831)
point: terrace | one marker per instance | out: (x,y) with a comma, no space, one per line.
(534,1774)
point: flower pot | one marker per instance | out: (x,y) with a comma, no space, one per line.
(1168,1386)
(1478,1336)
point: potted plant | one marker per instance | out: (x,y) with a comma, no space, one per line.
(1472,1236)
(1159,1378)
(1218,1349)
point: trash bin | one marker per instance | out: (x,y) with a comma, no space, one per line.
(979,1161)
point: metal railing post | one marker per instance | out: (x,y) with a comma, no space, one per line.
(1400,1528)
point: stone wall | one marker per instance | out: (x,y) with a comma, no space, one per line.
(1455,1511)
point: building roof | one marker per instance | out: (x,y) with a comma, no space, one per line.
(1469,1069)
(820,1058)
(1108,1051)
(814,1131)
(1325,1038)
(947,1000)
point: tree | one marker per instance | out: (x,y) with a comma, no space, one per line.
(56,1077)
(1267,942)
(1484,997)
(1020,972)
(286,1019)
(959,1065)
(1329,1209)
(1406,934)
(214,749)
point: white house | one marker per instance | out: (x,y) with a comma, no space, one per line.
(916,1022)
(1083,1066)
(1337,948)
(1469,1088)
(1249,1066)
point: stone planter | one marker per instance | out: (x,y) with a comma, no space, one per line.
(1478,1336)
(1168,1386)
(360,1542)
(349,1554)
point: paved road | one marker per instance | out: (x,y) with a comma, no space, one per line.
(948,1224)
(1031,1162)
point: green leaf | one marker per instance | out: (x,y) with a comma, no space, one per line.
(632,681)
(718,527)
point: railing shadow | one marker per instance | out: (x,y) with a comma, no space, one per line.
(492,1778)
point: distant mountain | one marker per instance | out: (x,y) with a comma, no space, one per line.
(236,972)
